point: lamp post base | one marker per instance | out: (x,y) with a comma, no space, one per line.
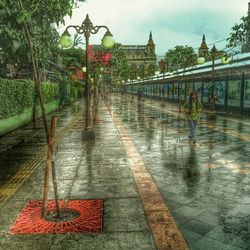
(88,134)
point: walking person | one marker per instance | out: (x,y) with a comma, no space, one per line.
(192,110)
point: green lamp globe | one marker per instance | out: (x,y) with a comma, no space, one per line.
(226,60)
(200,60)
(108,40)
(65,40)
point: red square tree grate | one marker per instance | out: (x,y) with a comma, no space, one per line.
(89,219)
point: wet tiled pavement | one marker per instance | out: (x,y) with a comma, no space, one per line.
(205,187)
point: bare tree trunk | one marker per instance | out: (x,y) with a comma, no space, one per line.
(49,169)
(35,66)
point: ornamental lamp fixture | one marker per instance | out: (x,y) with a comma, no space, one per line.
(84,69)
(200,60)
(108,40)
(65,40)
(226,59)
(138,77)
(157,73)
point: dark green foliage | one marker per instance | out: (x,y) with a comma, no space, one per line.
(41,17)
(72,57)
(240,33)
(180,57)
(63,91)
(17,95)
(76,90)
(50,92)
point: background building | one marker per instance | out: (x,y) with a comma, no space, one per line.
(204,51)
(140,55)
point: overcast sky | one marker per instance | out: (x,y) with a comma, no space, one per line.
(172,22)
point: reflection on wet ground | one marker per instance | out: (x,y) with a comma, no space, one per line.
(206,186)
(18,147)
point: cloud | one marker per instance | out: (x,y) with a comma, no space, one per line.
(172,22)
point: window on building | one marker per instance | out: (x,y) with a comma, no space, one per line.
(220,91)
(206,91)
(234,87)
(247,94)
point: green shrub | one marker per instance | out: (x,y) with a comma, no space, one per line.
(15,96)
(50,91)
(18,95)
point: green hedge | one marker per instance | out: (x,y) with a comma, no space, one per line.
(18,95)
(15,96)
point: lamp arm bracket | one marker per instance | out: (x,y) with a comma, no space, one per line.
(95,29)
(87,29)
(79,29)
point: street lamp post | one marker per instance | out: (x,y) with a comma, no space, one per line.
(213,53)
(225,60)
(157,73)
(87,29)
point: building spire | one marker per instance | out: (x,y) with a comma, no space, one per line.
(203,39)
(203,50)
(150,40)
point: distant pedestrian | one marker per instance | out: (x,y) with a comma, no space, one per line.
(106,94)
(192,110)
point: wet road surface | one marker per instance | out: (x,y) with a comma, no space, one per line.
(206,186)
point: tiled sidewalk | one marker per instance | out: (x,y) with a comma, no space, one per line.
(206,187)
(86,170)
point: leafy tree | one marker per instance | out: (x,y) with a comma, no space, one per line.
(240,33)
(73,56)
(180,57)
(41,18)
(77,41)
(118,61)
(151,69)
(32,25)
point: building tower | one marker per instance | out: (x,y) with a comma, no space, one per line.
(150,46)
(203,50)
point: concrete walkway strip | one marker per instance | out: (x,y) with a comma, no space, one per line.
(163,227)
(8,189)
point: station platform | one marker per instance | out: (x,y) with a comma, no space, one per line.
(158,191)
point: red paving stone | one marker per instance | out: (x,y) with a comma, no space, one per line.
(89,221)
(163,226)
